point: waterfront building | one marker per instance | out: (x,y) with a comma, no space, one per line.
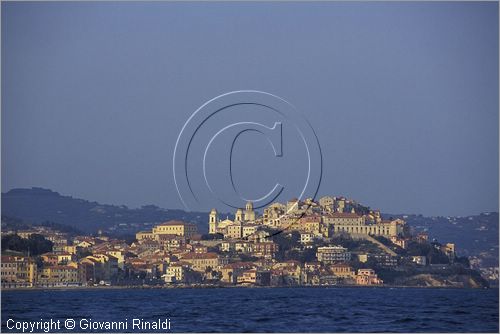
(89,270)
(176,272)
(343,270)
(231,271)
(200,262)
(99,266)
(329,280)
(9,269)
(367,277)
(18,271)
(290,271)
(59,275)
(119,255)
(254,276)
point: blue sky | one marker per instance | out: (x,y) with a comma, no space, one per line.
(403,96)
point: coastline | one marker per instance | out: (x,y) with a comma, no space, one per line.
(140,287)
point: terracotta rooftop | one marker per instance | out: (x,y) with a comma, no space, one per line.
(195,256)
(62,267)
(174,223)
(239,265)
(179,264)
(343,215)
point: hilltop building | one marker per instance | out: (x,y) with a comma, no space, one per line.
(331,215)
(240,227)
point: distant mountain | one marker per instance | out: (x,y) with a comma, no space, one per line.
(37,205)
(475,235)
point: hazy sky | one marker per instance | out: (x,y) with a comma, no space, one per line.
(403,96)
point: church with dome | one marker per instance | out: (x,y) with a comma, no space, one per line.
(321,219)
(242,219)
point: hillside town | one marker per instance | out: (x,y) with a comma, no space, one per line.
(334,241)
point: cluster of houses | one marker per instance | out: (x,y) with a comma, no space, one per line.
(322,219)
(240,251)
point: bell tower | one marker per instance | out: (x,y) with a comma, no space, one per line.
(213,220)
(238,217)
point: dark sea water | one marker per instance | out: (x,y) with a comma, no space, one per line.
(265,309)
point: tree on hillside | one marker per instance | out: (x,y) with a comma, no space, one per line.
(434,255)
(35,245)
(72,231)
(286,241)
